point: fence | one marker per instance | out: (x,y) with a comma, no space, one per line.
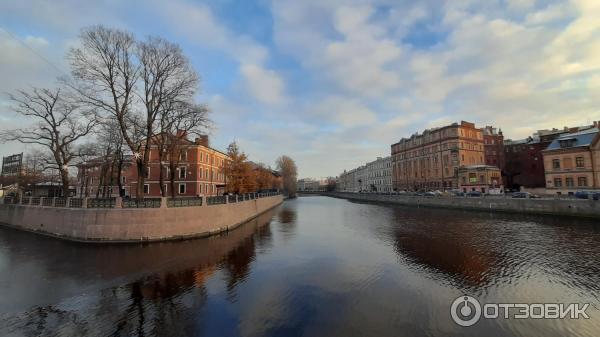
(184,202)
(101,203)
(144,203)
(76,203)
(133,203)
(216,200)
(60,202)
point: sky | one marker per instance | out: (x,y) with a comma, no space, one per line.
(334,83)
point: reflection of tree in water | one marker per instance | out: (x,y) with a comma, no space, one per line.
(287,215)
(164,304)
(237,265)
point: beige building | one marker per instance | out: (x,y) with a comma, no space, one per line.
(379,175)
(431,160)
(480,178)
(572,162)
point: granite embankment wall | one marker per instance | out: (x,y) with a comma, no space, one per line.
(134,224)
(569,207)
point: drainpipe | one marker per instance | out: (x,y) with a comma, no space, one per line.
(593,168)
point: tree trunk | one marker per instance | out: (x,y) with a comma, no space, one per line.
(64,176)
(139,190)
(172,180)
(120,174)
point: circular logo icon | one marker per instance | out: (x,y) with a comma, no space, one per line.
(465,311)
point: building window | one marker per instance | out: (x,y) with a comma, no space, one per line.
(579,162)
(582,181)
(147,172)
(182,172)
(206,188)
(183,155)
(569,182)
(556,164)
(123,180)
(146,189)
(181,188)
(557,182)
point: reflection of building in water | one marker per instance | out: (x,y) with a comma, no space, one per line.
(466,257)
(156,304)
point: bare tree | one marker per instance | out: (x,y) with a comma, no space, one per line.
(177,124)
(132,81)
(60,123)
(289,173)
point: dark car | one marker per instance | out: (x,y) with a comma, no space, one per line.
(583,195)
(429,194)
(474,194)
(521,195)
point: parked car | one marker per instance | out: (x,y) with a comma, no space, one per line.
(429,194)
(457,193)
(474,194)
(521,195)
(587,195)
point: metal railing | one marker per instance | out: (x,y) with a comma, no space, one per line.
(11,200)
(35,201)
(24,200)
(75,203)
(232,199)
(60,202)
(144,203)
(101,203)
(47,202)
(184,202)
(216,200)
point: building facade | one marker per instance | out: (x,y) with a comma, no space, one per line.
(493,144)
(355,180)
(572,162)
(480,178)
(524,164)
(379,175)
(199,171)
(430,160)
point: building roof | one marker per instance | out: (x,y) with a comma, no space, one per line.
(575,139)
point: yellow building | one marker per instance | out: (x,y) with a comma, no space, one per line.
(430,160)
(572,162)
(480,178)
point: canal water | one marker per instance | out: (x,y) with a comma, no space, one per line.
(314,266)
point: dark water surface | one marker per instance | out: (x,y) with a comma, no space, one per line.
(314,266)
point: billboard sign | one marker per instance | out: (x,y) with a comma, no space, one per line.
(12,165)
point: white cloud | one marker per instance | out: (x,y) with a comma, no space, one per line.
(266,85)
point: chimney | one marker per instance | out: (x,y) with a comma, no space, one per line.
(202,140)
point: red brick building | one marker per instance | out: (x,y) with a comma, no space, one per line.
(199,171)
(524,163)
(493,141)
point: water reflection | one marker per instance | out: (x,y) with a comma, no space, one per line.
(477,250)
(169,290)
(315,266)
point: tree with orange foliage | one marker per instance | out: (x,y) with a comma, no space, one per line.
(238,172)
